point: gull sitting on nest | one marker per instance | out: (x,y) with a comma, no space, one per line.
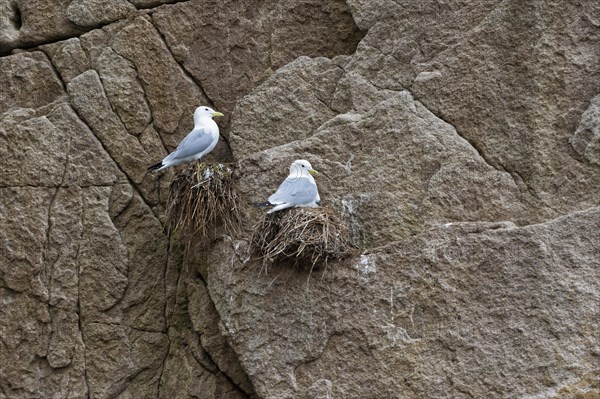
(199,142)
(297,190)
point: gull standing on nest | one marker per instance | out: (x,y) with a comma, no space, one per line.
(199,142)
(297,190)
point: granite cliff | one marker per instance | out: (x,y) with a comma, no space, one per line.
(460,141)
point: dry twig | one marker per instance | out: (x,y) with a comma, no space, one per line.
(201,198)
(306,237)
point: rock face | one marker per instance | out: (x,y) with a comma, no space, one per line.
(460,142)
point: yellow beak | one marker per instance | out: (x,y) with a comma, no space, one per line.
(217,114)
(313,172)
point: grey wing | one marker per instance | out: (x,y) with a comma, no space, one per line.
(297,191)
(197,141)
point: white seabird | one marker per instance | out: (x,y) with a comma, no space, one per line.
(199,142)
(297,190)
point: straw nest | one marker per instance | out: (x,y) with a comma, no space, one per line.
(305,237)
(201,199)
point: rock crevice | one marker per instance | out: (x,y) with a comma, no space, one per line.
(464,158)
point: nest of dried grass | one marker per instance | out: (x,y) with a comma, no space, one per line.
(202,198)
(305,237)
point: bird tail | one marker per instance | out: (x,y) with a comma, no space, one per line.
(155,167)
(263,204)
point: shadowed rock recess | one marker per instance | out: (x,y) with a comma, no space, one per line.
(459,141)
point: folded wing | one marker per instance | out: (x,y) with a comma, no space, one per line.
(295,191)
(199,140)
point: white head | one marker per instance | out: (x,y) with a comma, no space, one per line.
(204,112)
(302,167)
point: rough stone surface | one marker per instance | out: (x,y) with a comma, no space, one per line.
(24,23)
(430,174)
(256,38)
(20,81)
(586,140)
(459,141)
(456,311)
(92,13)
(68,57)
(546,68)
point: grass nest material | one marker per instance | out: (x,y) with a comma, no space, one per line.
(202,198)
(305,237)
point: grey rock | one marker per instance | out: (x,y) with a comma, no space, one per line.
(227,53)
(68,57)
(401,192)
(206,323)
(132,358)
(26,152)
(465,300)
(90,101)
(522,50)
(586,140)
(327,29)
(292,94)
(241,47)
(171,94)
(65,230)
(92,13)
(27,23)
(24,211)
(41,148)
(62,343)
(463,159)
(124,91)
(28,81)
